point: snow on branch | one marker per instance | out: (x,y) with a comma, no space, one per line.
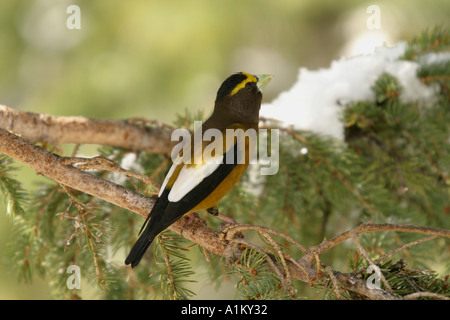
(315,102)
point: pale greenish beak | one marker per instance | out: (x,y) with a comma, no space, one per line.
(263,80)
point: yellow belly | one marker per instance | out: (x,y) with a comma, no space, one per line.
(222,189)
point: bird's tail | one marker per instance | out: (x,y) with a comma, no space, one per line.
(161,217)
(145,239)
(139,249)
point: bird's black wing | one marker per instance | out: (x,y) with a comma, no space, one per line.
(165,212)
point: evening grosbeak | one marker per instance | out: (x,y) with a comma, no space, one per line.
(198,181)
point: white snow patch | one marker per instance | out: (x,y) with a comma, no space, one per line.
(316,100)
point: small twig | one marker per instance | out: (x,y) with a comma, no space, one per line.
(231,230)
(369,227)
(272,265)
(158,170)
(367,257)
(169,267)
(318,265)
(417,295)
(407,245)
(102,163)
(90,236)
(352,283)
(334,281)
(283,261)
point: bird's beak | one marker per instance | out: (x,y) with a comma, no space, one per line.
(263,81)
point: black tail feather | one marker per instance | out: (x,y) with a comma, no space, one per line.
(151,231)
(139,248)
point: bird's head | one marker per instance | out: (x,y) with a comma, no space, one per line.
(240,95)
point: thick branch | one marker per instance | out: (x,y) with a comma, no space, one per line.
(55,168)
(133,137)
(51,165)
(131,134)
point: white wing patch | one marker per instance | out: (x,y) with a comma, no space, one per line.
(166,179)
(189,178)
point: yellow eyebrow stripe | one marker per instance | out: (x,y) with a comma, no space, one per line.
(250,78)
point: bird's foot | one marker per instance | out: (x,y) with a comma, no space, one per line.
(215,212)
(226,220)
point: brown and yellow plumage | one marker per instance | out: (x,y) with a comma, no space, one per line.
(198,185)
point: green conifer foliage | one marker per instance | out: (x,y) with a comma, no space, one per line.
(393,167)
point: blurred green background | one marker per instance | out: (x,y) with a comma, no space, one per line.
(155,59)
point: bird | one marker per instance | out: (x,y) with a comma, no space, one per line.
(196,182)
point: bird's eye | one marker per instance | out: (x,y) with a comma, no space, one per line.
(248,86)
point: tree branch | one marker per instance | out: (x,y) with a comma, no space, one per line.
(130,136)
(51,166)
(368,227)
(55,168)
(133,134)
